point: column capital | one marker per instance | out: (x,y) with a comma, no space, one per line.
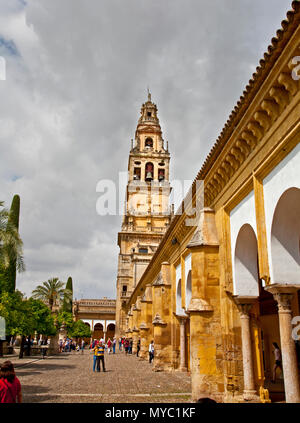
(283,294)
(244,304)
(158,321)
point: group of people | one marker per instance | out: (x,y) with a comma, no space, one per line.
(125,344)
(69,345)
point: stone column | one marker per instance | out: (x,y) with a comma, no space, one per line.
(135,336)
(244,305)
(283,294)
(182,320)
(162,320)
(144,332)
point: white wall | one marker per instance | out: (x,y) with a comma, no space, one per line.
(243,213)
(187,268)
(284,176)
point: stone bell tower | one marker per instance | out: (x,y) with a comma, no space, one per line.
(147,213)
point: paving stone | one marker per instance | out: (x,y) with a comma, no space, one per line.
(69,378)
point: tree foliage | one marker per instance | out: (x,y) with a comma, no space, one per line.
(11,253)
(68,296)
(50,292)
(79,330)
(24,317)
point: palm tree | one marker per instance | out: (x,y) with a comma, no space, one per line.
(51,292)
(11,245)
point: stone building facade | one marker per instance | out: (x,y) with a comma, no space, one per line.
(215,296)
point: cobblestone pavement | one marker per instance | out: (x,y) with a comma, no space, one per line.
(68,378)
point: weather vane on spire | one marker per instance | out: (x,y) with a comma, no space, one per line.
(149,94)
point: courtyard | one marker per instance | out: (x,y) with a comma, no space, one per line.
(68,378)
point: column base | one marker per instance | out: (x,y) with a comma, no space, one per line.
(251,396)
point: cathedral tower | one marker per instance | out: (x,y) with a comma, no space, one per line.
(147,212)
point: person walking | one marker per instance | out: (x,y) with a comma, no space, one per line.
(151,351)
(109,345)
(82,346)
(114,345)
(278,360)
(120,344)
(99,353)
(126,346)
(10,386)
(44,347)
(138,347)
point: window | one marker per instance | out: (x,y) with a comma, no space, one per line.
(161,174)
(149,142)
(124,288)
(143,250)
(149,169)
(137,174)
(149,114)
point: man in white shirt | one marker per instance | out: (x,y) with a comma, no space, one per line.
(151,351)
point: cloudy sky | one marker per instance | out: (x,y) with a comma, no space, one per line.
(76,75)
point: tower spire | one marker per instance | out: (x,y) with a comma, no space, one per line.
(149,94)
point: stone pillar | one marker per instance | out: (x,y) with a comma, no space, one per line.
(53,345)
(244,305)
(162,321)
(146,318)
(135,336)
(182,321)
(283,294)
(205,318)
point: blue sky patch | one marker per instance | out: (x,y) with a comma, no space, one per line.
(8,47)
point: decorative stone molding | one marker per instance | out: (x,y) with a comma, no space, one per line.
(198,304)
(158,321)
(159,280)
(135,329)
(143,326)
(206,232)
(283,294)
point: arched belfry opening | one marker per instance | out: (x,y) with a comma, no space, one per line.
(149,171)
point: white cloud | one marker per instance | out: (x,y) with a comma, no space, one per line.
(71,101)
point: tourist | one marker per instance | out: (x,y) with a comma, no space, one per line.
(278,360)
(126,345)
(99,353)
(122,341)
(60,345)
(151,351)
(114,345)
(44,347)
(10,387)
(82,346)
(130,347)
(109,345)
(138,347)
(120,344)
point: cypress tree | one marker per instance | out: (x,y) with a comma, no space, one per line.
(9,274)
(67,306)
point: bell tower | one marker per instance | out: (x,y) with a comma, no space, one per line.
(147,213)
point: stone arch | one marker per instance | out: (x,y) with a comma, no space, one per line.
(285,238)
(98,331)
(179,309)
(246,262)
(110,331)
(188,292)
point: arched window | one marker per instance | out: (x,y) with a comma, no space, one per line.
(149,170)
(149,142)
(161,174)
(137,173)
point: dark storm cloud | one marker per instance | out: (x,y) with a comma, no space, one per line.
(71,101)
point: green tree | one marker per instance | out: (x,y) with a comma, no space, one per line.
(80,330)
(24,317)
(66,318)
(18,317)
(68,296)
(11,253)
(50,292)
